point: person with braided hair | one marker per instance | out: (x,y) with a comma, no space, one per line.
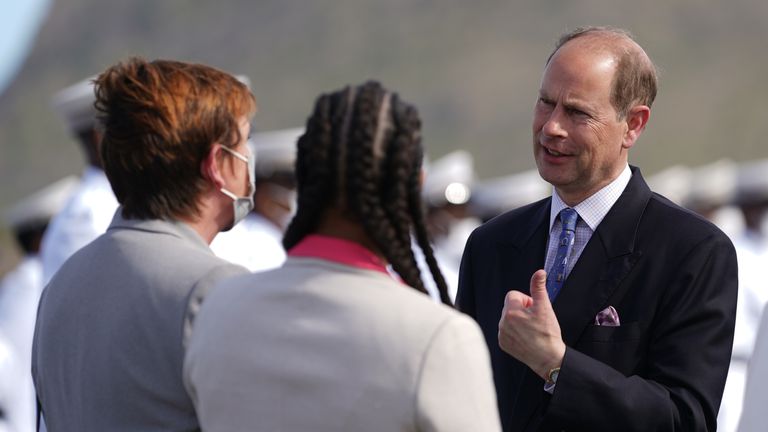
(336,339)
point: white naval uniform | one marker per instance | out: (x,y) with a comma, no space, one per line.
(19,294)
(756,394)
(255,243)
(752,253)
(85,216)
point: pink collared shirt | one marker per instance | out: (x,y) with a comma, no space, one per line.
(340,251)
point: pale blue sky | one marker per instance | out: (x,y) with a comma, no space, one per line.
(20,21)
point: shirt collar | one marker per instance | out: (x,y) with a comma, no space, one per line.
(593,209)
(338,250)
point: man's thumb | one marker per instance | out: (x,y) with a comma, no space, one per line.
(539,288)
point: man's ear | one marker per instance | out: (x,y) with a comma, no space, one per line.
(209,168)
(637,118)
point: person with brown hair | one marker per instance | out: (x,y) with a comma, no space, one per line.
(335,340)
(113,321)
(605,306)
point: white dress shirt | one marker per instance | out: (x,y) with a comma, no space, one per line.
(591,212)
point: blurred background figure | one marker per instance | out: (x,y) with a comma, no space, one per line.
(11,405)
(710,193)
(498,195)
(89,210)
(256,243)
(756,392)
(674,183)
(751,198)
(19,293)
(447,190)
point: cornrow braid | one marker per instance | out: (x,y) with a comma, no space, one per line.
(362,152)
(368,181)
(314,171)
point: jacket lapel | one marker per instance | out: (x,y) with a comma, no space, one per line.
(606,260)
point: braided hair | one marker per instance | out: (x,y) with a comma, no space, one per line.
(361,152)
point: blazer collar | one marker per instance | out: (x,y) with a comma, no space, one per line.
(618,230)
(160,226)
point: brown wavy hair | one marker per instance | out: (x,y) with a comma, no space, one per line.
(160,120)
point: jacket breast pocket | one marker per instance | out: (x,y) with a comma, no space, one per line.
(624,332)
(620,347)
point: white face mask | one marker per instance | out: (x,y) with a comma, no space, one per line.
(242,205)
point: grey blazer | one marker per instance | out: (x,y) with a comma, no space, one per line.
(325,347)
(108,345)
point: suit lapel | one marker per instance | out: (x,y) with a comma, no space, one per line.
(606,260)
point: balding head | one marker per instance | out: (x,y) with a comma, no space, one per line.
(635,81)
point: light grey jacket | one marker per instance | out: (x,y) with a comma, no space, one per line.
(108,351)
(319,346)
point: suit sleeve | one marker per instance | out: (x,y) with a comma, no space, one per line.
(688,352)
(455,390)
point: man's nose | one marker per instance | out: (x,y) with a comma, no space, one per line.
(553,125)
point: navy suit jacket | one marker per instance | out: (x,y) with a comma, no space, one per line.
(670,274)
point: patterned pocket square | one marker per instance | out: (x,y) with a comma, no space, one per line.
(607,317)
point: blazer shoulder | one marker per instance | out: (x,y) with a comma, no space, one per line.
(680,224)
(663,208)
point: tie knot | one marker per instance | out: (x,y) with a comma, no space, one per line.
(568,217)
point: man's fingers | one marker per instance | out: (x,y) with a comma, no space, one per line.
(516,300)
(539,288)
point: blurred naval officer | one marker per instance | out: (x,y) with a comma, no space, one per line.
(446,192)
(256,242)
(756,392)
(710,193)
(89,210)
(19,293)
(751,243)
(674,183)
(11,405)
(494,196)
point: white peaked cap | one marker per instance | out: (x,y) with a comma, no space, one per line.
(500,194)
(673,182)
(712,184)
(752,181)
(244,79)
(275,151)
(74,105)
(449,179)
(41,206)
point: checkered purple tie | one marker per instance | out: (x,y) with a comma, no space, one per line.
(556,275)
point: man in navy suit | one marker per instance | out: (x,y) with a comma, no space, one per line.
(631,326)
